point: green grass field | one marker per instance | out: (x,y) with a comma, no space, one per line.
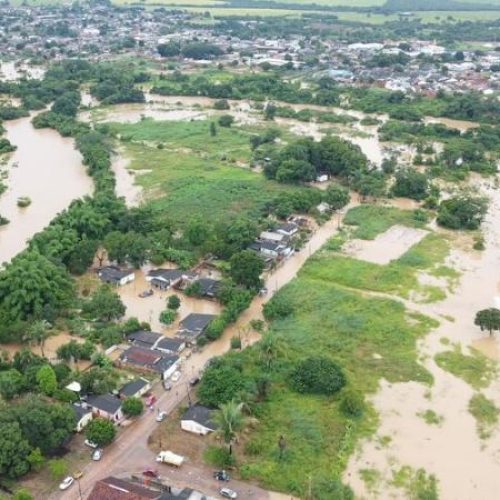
(196,174)
(370,338)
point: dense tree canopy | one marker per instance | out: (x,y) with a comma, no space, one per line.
(246,268)
(462,212)
(32,286)
(318,375)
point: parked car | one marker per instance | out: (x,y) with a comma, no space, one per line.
(150,473)
(146,293)
(227,493)
(175,376)
(221,475)
(167,385)
(78,474)
(194,380)
(66,483)
(97,455)
(90,444)
(161,416)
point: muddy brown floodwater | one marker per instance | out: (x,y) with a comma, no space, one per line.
(465,466)
(45,167)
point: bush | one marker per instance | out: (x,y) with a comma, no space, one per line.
(221,104)
(235,343)
(100,431)
(218,457)
(462,212)
(226,120)
(317,375)
(58,468)
(173,302)
(167,317)
(278,307)
(352,404)
(132,407)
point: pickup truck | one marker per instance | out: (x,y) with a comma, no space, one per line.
(168,457)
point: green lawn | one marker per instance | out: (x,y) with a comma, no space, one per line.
(197,175)
(370,338)
(372,220)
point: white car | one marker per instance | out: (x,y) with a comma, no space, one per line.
(175,376)
(66,483)
(90,444)
(227,493)
(97,455)
(161,416)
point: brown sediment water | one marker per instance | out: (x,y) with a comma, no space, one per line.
(125,181)
(465,466)
(48,169)
(461,125)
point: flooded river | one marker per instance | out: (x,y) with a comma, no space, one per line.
(49,171)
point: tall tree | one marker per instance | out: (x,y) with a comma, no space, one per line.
(104,305)
(230,421)
(38,332)
(488,319)
(246,268)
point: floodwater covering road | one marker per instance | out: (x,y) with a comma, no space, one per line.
(48,169)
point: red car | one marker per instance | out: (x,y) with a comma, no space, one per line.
(150,473)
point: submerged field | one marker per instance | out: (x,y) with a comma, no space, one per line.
(186,172)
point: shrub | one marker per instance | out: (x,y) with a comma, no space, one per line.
(100,431)
(132,407)
(167,317)
(317,375)
(235,343)
(173,302)
(352,403)
(218,457)
(278,307)
(226,120)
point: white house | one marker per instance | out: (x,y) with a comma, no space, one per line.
(83,417)
(105,406)
(198,420)
(116,276)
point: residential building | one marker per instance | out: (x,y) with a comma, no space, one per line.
(150,360)
(194,325)
(116,276)
(135,388)
(105,405)
(83,416)
(198,420)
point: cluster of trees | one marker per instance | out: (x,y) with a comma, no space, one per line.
(464,211)
(305,159)
(168,315)
(192,50)
(31,430)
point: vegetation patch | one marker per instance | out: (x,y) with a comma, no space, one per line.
(417,484)
(486,414)
(475,368)
(431,417)
(372,220)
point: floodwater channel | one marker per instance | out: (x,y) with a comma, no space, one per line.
(46,168)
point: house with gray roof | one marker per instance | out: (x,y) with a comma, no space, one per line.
(198,420)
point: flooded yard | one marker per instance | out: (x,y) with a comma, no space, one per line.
(387,246)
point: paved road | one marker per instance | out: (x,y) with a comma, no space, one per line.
(129,453)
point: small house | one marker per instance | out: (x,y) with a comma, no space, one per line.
(116,276)
(208,287)
(198,420)
(170,345)
(288,229)
(164,278)
(150,360)
(83,416)
(144,338)
(272,236)
(194,325)
(135,388)
(105,406)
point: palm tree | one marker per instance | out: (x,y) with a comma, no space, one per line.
(271,347)
(230,421)
(38,332)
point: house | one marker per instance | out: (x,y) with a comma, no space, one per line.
(288,229)
(116,276)
(135,388)
(194,325)
(150,361)
(105,406)
(170,345)
(272,236)
(271,248)
(83,416)
(323,207)
(164,278)
(208,287)
(143,338)
(198,420)
(112,488)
